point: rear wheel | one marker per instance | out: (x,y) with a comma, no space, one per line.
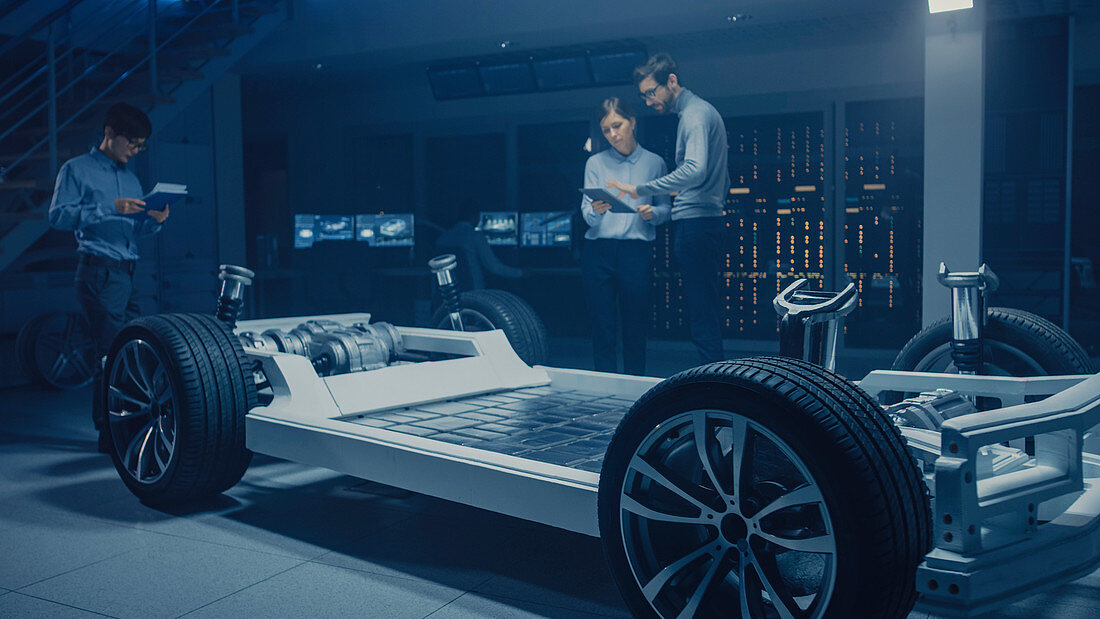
(24,346)
(177,393)
(1016,343)
(58,350)
(485,310)
(758,488)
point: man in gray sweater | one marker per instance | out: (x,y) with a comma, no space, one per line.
(700,181)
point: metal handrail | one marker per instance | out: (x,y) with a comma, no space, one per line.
(104,14)
(51,138)
(43,67)
(62,91)
(45,22)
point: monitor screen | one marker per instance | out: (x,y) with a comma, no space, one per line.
(334,227)
(499,227)
(546,229)
(562,72)
(304,233)
(392,230)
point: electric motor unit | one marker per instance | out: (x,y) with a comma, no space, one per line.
(331,347)
(930,409)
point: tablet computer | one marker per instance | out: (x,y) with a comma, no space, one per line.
(609,196)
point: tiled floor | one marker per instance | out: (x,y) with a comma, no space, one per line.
(289,540)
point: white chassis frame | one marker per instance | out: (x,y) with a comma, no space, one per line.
(993,544)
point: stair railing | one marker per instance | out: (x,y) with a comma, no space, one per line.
(52,24)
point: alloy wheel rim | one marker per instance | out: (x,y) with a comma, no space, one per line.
(64,351)
(141,412)
(998,359)
(715,509)
(472,320)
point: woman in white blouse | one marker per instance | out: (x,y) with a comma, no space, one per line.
(617,260)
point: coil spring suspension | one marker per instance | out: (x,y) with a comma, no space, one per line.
(231,298)
(442,266)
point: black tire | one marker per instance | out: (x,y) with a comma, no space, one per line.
(57,351)
(483,310)
(196,368)
(24,346)
(1016,343)
(853,461)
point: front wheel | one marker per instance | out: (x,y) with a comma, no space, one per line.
(764,487)
(176,396)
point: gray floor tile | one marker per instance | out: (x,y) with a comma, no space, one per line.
(566,570)
(19,605)
(167,577)
(476,606)
(57,543)
(316,590)
(292,524)
(461,549)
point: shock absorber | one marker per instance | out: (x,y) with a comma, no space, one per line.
(810,321)
(231,299)
(442,266)
(968,302)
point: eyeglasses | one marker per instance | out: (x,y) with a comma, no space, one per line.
(649,94)
(134,144)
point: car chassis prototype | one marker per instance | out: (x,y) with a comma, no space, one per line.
(761,487)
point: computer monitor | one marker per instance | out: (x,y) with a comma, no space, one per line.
(391,230)
(304,233)
(546,229)
(499,227)
(334,228)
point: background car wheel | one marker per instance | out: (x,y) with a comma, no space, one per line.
(24,346)
(176,397)
(485,310)
(58,350)
(1016,343)
(762,487)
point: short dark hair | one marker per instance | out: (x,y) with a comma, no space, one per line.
(128,121)
(659,65)
(614,105)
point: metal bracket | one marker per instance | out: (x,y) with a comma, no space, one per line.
(810,321)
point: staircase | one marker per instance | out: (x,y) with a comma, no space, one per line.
(58,78)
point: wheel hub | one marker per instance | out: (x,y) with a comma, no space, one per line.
(733,528)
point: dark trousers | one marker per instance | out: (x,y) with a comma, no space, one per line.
(105,290)
(697,247)
(617,277)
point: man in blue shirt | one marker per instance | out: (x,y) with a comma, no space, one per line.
(700,182)
(100,200)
